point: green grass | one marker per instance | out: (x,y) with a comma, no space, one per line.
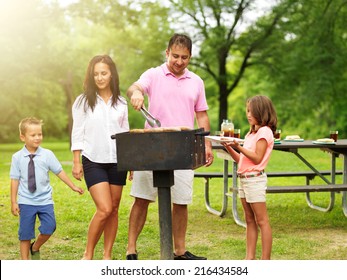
(299,232)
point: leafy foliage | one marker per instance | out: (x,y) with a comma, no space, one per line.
(45,51)
(305,64)
(295,53)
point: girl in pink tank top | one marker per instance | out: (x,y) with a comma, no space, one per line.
(252,158)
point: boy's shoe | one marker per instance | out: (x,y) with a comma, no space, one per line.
(35,255)
(188,256)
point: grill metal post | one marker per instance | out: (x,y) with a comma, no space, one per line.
(163,180)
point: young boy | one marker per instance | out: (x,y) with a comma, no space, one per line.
(30,183)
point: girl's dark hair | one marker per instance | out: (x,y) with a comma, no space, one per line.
(263,111)
(181,40)
(89,86)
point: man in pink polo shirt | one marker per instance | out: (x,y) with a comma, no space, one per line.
(176,96)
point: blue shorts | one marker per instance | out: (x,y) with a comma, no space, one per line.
(95,173)
(27,220)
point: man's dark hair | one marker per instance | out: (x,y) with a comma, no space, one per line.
(181,40)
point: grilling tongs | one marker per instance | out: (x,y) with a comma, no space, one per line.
(152,121)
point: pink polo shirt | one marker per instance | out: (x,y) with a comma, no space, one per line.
(251,139)
(173,100)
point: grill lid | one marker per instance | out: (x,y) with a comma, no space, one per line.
(166,150)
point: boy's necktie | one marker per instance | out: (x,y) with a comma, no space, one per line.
(31,174)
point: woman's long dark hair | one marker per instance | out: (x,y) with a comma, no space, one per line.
(89,86)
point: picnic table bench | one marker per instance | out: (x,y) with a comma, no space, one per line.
(330,186)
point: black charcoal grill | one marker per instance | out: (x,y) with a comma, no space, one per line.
(162,152)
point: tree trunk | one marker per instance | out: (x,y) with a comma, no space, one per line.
(223,102)
(67,85)
(223,83)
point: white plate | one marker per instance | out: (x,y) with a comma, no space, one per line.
(223,139)
(323,143)
(293,140)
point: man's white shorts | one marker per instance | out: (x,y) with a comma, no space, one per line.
(181,191)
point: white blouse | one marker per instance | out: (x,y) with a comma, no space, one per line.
(92,130)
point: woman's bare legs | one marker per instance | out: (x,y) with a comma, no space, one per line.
(103,201)
(111,225)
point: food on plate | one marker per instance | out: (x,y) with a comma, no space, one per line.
(221,139)
(231,139)
(325,140)
(292,137)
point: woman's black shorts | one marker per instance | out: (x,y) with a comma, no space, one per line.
(95,173)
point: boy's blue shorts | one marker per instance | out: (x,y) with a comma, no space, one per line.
(27,219)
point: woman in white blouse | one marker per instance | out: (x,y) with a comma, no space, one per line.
(98,113)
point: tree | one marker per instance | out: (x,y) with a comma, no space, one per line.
(23,48)
(45,50)
(216,28)
(296,53)
(305,64)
